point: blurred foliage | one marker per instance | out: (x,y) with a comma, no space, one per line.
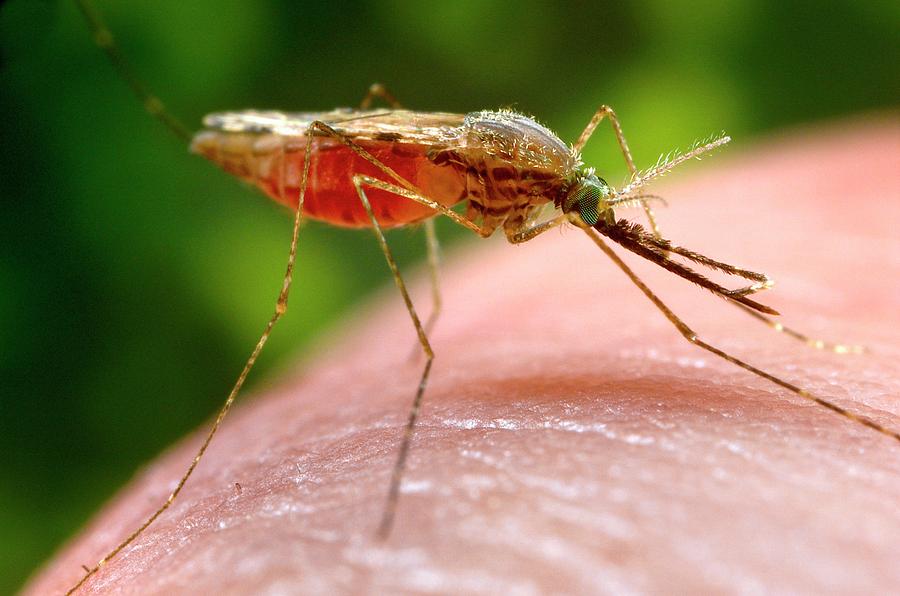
(134,278)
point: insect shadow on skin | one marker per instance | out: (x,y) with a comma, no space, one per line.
(379,169)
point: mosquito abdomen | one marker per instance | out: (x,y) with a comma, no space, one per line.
(274,163)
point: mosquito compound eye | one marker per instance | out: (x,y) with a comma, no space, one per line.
(586,199)
(588,207)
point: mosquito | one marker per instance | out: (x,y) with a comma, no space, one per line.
(387,168)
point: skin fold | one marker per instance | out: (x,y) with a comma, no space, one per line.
(571,441)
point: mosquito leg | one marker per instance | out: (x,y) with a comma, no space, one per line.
(811,342)
(387,519)
(280,308)
(421,199)
(607,112)
(434,262)
(104,39)
(360,181)
(404,189)
(379,91)
(536,214)
(528,232)
(433,248)
(692,337)
(520,236)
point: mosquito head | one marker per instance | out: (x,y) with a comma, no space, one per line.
(587,196)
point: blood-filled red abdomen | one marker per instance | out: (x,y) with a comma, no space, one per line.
(330,194)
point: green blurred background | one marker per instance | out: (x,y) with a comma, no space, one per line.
(134,278)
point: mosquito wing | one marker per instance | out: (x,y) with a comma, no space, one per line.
(397,126)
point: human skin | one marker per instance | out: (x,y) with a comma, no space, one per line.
(571,441)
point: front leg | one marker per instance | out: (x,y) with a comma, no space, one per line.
(607,112)
(528,232)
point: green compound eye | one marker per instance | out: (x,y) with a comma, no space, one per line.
(585,198)
(588,204)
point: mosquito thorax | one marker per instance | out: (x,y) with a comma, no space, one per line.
(587,196)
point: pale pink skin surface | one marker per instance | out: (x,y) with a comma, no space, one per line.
(571,441)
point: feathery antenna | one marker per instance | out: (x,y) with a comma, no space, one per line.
(666,165)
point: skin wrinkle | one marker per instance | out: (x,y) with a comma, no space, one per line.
(570,439)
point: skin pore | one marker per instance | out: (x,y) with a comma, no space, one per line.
(571,440)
